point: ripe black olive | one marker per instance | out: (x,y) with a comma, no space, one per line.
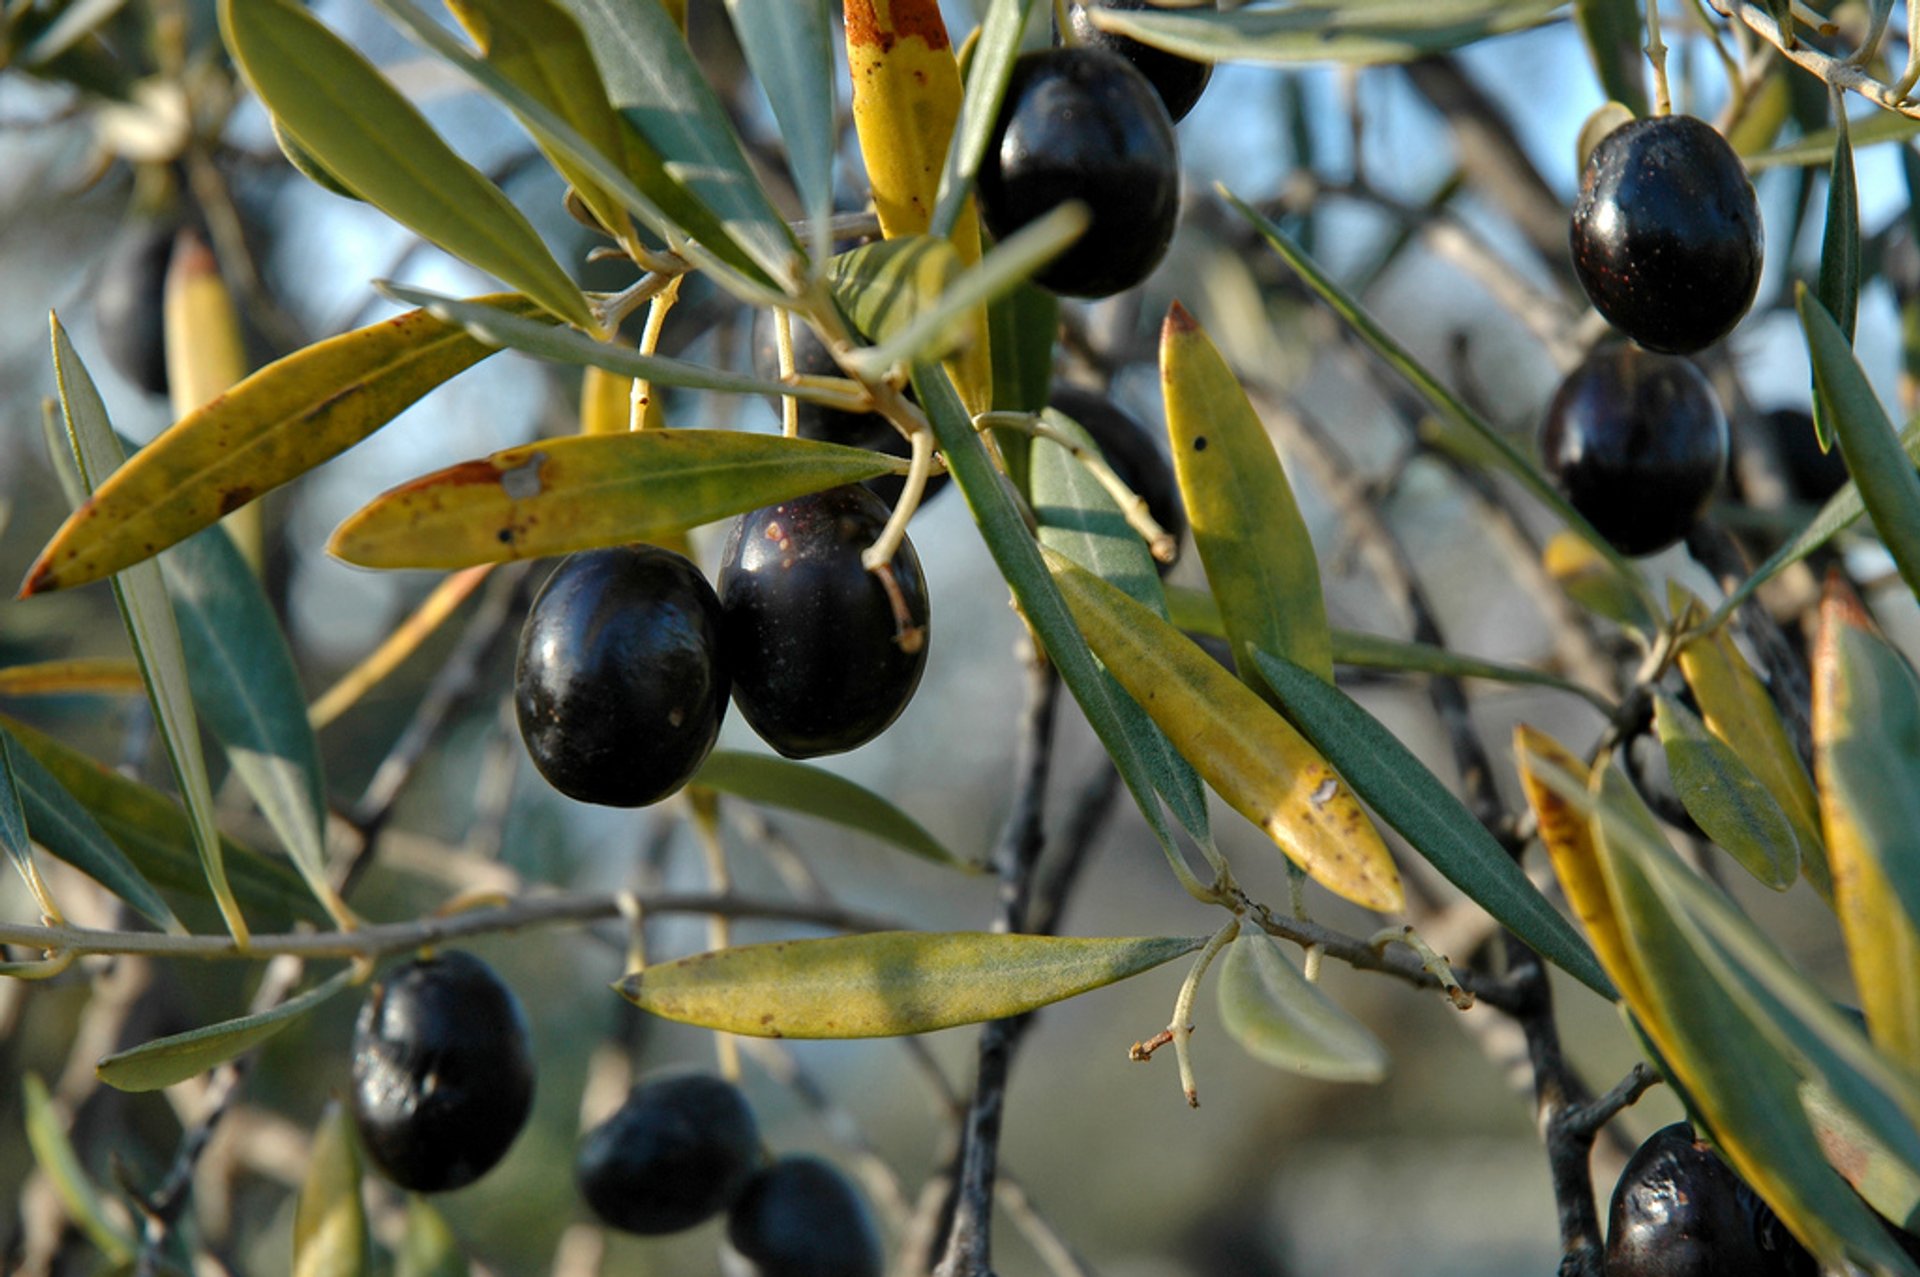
(130,304)
(1129,449)
(1638,443)
(619,686)
(1813,475)
(1678,1212)
(820,661)
(867,430)
(1179,81)
(679,1150)
(1666,236)
(442,1072)
(1080,123)
(801,1218)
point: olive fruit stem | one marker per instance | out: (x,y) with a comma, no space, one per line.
(1180,1028)
(1435,963)
(1876,30)
(1657,55)
(609,309)
(1904,85)
(657,310)
(783,351)
(1839,72)
(705,807)
(878,557)
(1132,505)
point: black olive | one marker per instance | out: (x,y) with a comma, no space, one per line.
(1179,81)
(867,430)
(1080,123)
(1813,475)
(678,1151)
(130,304)
(442,1072)
(801,1218)
(619,687)
(1678,1212)
(1666,236)
(1129,449)
(820,661)
(1638,444)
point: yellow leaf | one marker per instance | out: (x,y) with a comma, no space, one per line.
(98,675)
(1247,753)
(206,353)
(887,983)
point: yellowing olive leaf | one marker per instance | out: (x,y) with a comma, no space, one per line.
(1408,796)
(1738,710)
(1592,582)
(149,619)
(344,113)
(1888,485)
(106,824)
(1549,773)
(95,675)
(330,1221)
(47,1137)
(815,791)
(1866,753)
(429,1248)
(886,983)
(1270,1009)
(1252,757)
(164,1061)
(1259,559)
(274,426)
(1724,797)
(586,491)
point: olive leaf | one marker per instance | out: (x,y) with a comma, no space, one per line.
(1270,1009)
(887,983)
(164,1061)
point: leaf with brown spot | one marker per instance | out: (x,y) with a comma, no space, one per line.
(276,425)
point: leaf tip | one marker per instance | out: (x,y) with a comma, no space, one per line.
(1180,321)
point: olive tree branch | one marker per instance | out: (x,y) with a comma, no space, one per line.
(1845,74)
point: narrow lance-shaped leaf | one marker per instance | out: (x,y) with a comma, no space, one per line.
(656,83)
(1866,752)
(206,352)
(164,1061)
(83,675)
(988,70)
(887,983)
(789,47)
(249,694)
(76,807)
(1357,34)
(815,791)
(1738,710)
(1724,797)
(338,107)
(1489,442)
(587,491)
(1817,147)
(1839,282)
(330,1222)
(906,102)
(1611,29)
(1887,482)
(429,1248)
(150,623)
(1408,796)
(1248,754)
(1246,524)
(47,1137)
(1019,561)
(1269,1008)
(279,423)
(1079,520)
(13,834)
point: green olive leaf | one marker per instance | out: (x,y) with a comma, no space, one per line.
(356,125)
(1280,1018)
(588,491)
(789,47)
(274,426)
(429,1248)
(815,791)
(1838,285)
(165,1061)
(54,1153)
(1612,32)
(887,983)
(1365,33)
(1724,797)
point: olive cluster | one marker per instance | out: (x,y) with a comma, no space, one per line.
(1092,121)
(684,1147)
(443,1080)
(1667,242)
(628,655)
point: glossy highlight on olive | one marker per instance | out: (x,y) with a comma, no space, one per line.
(677,1152)
(1638,444)
(1079,123)
(619,688)
(1679,1211)
(443,1072)
(1178,80)
(802,1218)
(1666,236)
(822,662)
